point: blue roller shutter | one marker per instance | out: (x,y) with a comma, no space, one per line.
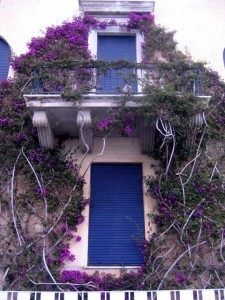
(4,59)
(112,48)
(224,57)
(116,215)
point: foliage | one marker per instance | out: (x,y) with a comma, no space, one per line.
(122,122)
(44,188)
(168,105)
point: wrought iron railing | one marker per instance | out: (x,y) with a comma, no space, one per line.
(131,79)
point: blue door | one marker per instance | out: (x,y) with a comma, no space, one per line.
(116,215)
(113,48)
(4,59)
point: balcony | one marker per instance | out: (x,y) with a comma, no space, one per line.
(113,78)
(62,97)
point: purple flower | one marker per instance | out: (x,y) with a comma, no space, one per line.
(201,189)
(155,189)
(212,188)
(128,130)
(198,212)
(22,271)
(220,120)
(41,190)
(80,220)
(78,238)
(65,254)
(49,260)
(21,137)
(6,121)
(104,124)
(181,278)
(62,228)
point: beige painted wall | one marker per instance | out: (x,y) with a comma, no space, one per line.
(199,25)
(117,149)
(20,20)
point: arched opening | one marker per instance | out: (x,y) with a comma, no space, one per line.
(5,57)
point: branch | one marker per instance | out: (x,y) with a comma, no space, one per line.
(176,261)
(169,133)
(217,275)
(39,183)
(83,141)
(215,169)
(158,257)
(90,284)
(97,155)
(221,248)
(165,231)
(46,267)
(3,278)
(198,153)
(188,219)
(222,99)
(207,282)
(12,202)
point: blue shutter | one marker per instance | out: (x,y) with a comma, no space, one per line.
(117,47)
(224,57)
(116,215)
(4,59)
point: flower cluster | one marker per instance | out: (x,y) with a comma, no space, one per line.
(104,124)
(129,120)
(139,21)
(37,155)
(67,40)
(21,136)
(106,282)
(41,190)
(181,279)
(65,254)
(6,121)
(202,200)
(198,217)
(124,123)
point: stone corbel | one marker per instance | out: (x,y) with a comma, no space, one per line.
(45,135)
(85,133)
(197,123)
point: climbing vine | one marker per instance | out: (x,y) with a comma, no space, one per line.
(42,190)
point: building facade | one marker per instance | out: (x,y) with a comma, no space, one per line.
(115,155)
(199,26)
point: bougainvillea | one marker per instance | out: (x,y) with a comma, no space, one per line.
(44,192)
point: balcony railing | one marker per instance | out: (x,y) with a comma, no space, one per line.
(111,79)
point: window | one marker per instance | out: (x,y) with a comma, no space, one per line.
(112,48)
(5,56)
(224,57)
(116,215)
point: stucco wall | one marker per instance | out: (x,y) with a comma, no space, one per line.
(199,25)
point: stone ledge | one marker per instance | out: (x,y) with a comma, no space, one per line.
(109,7)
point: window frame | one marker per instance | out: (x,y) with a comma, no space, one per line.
(115,30)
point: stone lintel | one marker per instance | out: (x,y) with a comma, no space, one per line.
(109,7)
